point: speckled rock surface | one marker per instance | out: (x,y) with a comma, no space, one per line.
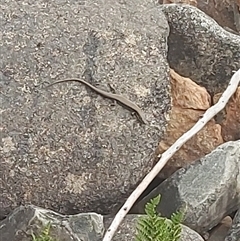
(127,230)
(199,48)
(27,220)
(234,232)
(208,188)
(65,147)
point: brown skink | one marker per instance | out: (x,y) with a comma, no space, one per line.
(129,104)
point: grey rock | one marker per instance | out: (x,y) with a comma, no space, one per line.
(127,230)
(234,232)
(219,232)
(199,48)
(65,147)
(28,220)
(208,189)
(189,235)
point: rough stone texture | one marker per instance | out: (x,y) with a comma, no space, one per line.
(191,2)
(27,220)
(65,147)
(209,188)
(195,38)
(225,12)
(219,232)
(236,10)
(190,101)
(199,48)
(234,232)
(229,118)
(127,230)
(24,221)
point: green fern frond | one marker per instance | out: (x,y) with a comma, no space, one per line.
(152,227)
(45,235)
(178,217)
(150,207)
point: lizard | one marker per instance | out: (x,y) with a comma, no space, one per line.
(119,98)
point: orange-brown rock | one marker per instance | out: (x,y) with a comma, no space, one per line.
(190,101)
(225,12)
(219,232)
(191,2)
(229,118)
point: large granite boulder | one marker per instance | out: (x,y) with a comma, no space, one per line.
(65,147)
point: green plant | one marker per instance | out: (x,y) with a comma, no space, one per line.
(153,227)
(45,235)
